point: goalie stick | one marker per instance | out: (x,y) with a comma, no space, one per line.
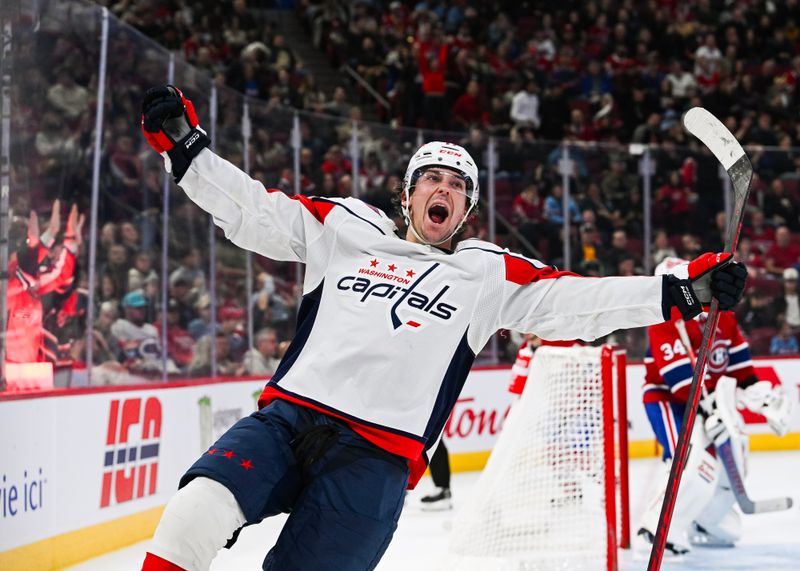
(722,444)
(730,154)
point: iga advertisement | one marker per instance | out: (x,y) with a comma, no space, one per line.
(71,461)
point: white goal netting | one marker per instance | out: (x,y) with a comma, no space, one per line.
(541,502)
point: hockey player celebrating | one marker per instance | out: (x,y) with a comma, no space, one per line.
(704,511)
(387,331)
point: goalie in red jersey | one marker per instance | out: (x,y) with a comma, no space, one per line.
(704,513)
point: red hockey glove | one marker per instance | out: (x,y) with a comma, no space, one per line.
(690,287)
(170,125)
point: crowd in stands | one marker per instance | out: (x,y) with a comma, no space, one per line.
(521,79)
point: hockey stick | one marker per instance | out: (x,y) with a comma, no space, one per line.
(730,154)
(722,444)
(737,485)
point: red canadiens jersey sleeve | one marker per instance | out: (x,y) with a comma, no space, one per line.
(668,363)
(519,372)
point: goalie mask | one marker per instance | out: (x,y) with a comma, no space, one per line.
(451,157)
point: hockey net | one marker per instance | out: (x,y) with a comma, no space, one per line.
(553,495)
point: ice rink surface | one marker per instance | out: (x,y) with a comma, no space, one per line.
(770,541)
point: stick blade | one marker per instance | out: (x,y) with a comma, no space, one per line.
(772,505)
(714,135)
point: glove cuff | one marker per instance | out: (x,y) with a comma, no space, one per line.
(679,293)
(182,153)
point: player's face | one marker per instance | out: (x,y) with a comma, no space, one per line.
(438,204)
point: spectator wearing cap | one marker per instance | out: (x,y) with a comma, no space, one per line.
(784,253)
(181,292)
(180,344)
(787,305)
(263,359)
(201,325)
(231,322)
(137,339)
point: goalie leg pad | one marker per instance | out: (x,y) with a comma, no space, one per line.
(729,424)
(196,524)
(699,481)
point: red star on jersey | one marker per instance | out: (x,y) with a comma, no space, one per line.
(229,454)
(212,451)
(247,465)
(410,273)
(373,263)
(392,267)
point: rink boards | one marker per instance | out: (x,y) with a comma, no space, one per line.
(88,471)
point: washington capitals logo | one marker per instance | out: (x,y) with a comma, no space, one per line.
(401,287)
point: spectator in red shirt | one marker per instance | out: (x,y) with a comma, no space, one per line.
(180,344)
(763,236)
(672,201)
(528,213)
(783,254)
(467,110)
(578,127)
(335,162)
(432,68)
(27,284)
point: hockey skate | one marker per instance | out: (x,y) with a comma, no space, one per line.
(701,537)
(672,550)
(441,500)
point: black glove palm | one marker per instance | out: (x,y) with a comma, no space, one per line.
(170,125)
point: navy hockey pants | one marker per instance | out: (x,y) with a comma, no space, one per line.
(344,494)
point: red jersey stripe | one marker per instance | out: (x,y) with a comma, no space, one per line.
(521,271)
(318,209)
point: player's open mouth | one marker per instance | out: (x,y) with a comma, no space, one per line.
(438,213)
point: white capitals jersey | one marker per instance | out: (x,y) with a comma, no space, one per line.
(388,329)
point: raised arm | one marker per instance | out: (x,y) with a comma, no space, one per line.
(267,222)
(561,305)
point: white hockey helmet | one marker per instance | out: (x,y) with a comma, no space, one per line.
(438,153)
(441,154)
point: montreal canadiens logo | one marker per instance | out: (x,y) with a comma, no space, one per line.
(400,287)
(718,358)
